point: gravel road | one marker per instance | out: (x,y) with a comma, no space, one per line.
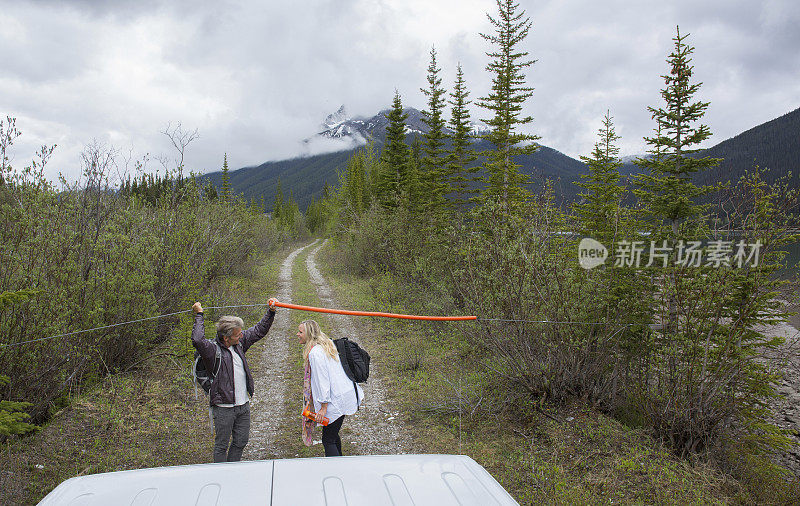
(372,430)
(374,427)
(271,371)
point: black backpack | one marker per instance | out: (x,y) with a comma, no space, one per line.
(202,376)
(355,361)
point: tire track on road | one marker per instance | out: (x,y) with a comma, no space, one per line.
(373,429)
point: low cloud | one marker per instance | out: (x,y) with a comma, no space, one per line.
(321,145)
(255,78)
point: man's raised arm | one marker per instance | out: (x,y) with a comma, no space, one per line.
(205,347)
(260,329)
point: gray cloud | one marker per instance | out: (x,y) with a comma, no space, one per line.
(255,78)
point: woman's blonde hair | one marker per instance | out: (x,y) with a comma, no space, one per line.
(317,337)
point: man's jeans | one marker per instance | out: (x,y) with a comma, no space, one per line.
(230,421)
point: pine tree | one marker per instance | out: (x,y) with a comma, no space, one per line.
(315,216)
(600,212)
(278,204)
(210,191)
(668,197)
(419,193)
(505,101)
(227,194)
(433,163)
(354,184)
(666,189)
(395,157)
(461,154)
(373,167)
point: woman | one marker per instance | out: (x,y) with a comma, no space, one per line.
(326,388)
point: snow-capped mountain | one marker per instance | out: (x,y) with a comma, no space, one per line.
(336,118)
(339,131)
(631,158)
(340,124)
(478,128)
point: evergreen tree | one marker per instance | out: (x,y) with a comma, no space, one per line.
(278,204)
(210,191)
(227,193)
(394,176)
(666,189)
(431,170)
(291,217)
(373,167)
(315,216)
(419,190)
(354,184)
(505,101)
(461,153)
(599,213)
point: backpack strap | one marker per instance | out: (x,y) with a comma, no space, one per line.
(217,359)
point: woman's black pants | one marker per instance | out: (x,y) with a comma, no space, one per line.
(330,438)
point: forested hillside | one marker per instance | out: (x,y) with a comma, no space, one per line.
(773,146)
(306,177)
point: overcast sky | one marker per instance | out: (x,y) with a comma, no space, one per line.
(256,77)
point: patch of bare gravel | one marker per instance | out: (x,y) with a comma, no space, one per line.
(786,408)
(271,372)
(375,429)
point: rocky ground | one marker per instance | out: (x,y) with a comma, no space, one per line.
(786,406)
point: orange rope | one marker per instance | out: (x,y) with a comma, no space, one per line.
(374,313)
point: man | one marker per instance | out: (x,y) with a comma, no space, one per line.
(233,385)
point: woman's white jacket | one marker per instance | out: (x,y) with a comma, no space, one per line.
(330,384)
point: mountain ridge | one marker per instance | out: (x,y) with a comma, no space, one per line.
(771,145)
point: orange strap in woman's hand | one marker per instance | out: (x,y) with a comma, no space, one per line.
(374,313)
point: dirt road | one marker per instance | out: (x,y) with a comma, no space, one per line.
(271,370)
(373,425)
(370,431)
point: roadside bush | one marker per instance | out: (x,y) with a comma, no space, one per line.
(671,349)
(96,257)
